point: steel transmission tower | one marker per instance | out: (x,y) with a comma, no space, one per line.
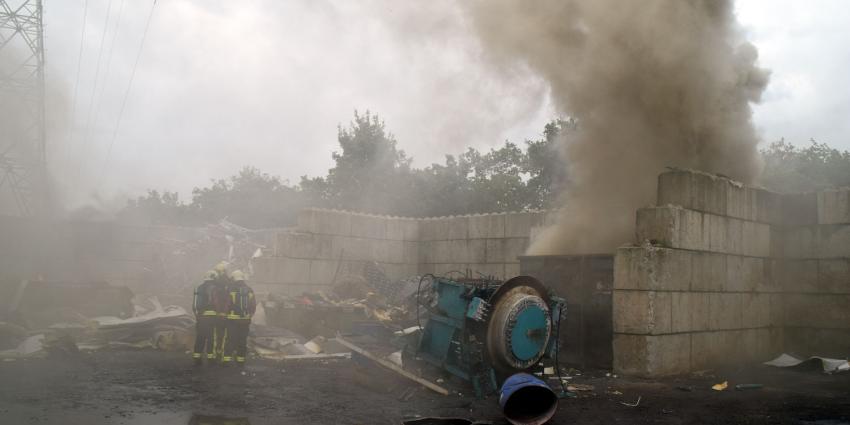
(23,171)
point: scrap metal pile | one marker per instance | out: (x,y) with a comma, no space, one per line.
(39,330)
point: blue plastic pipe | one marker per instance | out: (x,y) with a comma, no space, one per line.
(527,400)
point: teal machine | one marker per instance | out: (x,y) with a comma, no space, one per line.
(485,330)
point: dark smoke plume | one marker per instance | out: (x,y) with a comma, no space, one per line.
(653,83)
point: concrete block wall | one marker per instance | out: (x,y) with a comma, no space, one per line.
(307,257)
(487,244)
(815,275)
(726,274)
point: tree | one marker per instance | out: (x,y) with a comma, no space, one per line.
(789,169)
(370,173)
(545,166)
(158,208)
(251,198)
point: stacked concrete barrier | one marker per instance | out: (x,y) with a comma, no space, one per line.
(326,243)
(729,274)
(310,256)
(484,244)
(815,275)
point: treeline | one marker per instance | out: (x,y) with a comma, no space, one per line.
(371,174)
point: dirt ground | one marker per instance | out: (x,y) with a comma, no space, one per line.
(150,387)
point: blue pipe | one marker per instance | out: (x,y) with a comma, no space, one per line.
(527,400)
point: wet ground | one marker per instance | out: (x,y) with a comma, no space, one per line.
(149,387)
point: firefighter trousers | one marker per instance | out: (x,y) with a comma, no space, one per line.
(220,336)
(237,339)
(204,341)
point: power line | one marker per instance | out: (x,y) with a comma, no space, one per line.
(79,66)
(127,92)
(109,57)
(86,129)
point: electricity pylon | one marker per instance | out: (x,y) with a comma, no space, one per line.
(23,161)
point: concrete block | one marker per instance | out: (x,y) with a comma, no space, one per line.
(441,252)
(834,276)
(833,240)
(322,272)
(694,230)
(476,251)
(734,236)
(756,239)
(756,310)
(487,226)
(423,269)
(411,252)
(496,250)
(306,245)
(799,208)
(777,310)
(395,228)
(834,343)
(750,350)
(368,226)
(717,232)
(350,248)
(799,242)
(433,229)
(458,227)
(658,226)
(797,275)
(700,314)
(281,270)
(411,229)
(652,355)
(743,274)
(488,269)
(312,220)
(642,312)
(716,349)
(742,202)
(518,225)
(709,272)
(834,206)
(769,207)
(426,252)
(511,270)
(823,311)
(725,311)
(514,247)
(458,250)
(393,251)
(450,269)
(651,268)
(691,190)
(682,311)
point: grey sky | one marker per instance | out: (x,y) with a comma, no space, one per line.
(224,84)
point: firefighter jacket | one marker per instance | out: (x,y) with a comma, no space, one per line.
(202,301)
(221,298)
(243,304)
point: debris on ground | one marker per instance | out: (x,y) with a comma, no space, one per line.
(580,387)
(721,386)
(741,387)
(828,365)
(635,404)
(391,366)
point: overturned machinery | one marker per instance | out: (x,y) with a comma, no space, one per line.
(485,330)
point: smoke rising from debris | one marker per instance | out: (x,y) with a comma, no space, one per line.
(653,84)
